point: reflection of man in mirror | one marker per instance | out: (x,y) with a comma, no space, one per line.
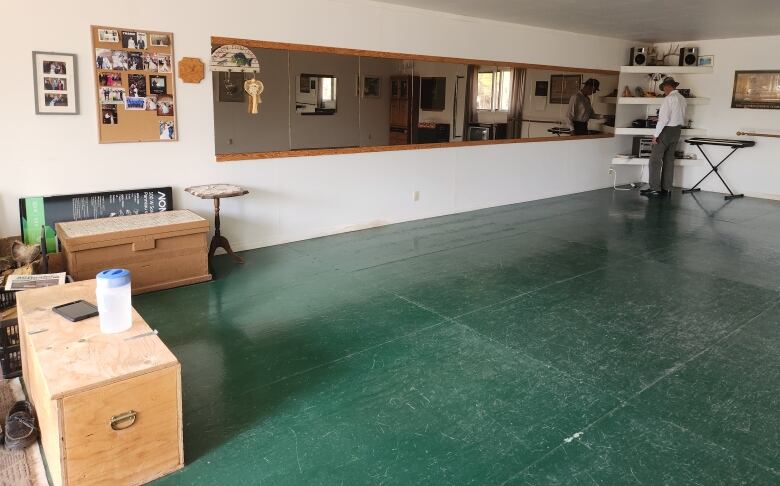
(580,109)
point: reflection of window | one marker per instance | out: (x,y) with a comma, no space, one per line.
(494,89)
(328,89)
(485,91)
(563,87)
(505,91)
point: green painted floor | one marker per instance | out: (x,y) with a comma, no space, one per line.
(594,338)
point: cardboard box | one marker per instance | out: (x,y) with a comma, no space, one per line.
(161,250)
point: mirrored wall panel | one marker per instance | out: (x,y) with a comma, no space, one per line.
(386,98)
(324,109)
(238,131)
(323,98)
(440,107)
(563,103)
(493,102)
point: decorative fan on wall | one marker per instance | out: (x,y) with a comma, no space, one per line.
(234,58)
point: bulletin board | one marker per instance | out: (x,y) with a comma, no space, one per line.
(134,85)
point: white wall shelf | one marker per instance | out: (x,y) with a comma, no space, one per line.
(643,161)
(650,131)
(666,69)
(631,108)
(648,100)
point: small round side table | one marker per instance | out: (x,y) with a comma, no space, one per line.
(215,192)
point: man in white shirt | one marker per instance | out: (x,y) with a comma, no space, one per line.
(671,119)
(580,109)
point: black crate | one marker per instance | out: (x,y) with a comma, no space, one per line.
(11,362)
(9,333)
(7,299)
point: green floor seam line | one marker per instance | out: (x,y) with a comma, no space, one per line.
(527,293)
(724,448)
(537,360)
(665,375)
(454,320)
(337,360)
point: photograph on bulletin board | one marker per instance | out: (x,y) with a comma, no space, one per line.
(134,85)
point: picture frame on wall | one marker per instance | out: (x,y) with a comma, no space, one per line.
(541,88)
(372,87)
(758,90)
(706,61)
(231,87)
(55,82)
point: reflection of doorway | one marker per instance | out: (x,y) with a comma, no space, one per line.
(404,113)
(316,94)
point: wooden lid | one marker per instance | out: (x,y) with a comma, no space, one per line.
(92,231)
(76,356)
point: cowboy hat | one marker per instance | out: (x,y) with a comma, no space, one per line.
(670,81)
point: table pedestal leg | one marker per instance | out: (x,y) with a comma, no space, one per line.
(219,241)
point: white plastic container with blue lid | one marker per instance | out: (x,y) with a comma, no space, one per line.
(114,300)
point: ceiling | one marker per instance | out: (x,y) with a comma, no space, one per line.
(639,20)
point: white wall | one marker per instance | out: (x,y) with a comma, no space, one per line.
(753,171)
(290,198)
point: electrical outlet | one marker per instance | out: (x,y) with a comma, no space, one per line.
(416,196)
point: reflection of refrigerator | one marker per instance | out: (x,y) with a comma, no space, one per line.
(404,108)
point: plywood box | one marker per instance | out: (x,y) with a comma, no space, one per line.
(108,405)
(161,250)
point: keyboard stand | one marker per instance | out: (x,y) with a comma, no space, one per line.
(714,169)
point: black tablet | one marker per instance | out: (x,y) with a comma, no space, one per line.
(76,311)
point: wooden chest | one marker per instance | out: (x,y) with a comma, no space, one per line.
(161,250)
(108,405)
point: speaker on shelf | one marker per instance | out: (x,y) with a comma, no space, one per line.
(638,56)
(689,56)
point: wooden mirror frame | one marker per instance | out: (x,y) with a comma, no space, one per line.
(229,157)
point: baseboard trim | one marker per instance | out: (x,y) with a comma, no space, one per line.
(266,242)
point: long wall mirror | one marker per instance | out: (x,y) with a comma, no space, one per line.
(325,100)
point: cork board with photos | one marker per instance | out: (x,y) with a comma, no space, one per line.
(134,85)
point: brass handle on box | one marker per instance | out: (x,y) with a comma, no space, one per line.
(123,420)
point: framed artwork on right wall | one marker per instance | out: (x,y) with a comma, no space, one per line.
(756,90)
